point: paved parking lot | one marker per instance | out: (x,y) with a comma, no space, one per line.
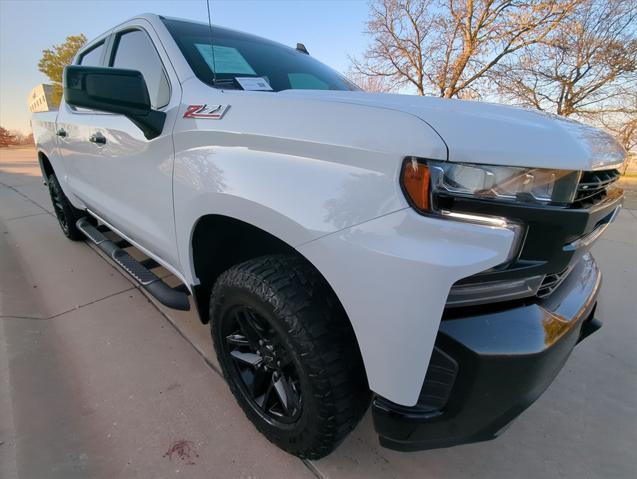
(97,380)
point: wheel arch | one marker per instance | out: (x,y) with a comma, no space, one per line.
(45,166)
(218,242)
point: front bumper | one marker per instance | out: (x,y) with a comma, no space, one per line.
(489,365)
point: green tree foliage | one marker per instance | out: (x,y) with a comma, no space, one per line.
(6,138)
(56,58)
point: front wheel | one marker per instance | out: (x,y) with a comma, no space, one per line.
(65,212)
(288,354)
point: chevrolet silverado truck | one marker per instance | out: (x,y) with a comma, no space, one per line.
(427,256)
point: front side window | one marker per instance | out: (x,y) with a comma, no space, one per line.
(239,55)
(134,50)
(93,57)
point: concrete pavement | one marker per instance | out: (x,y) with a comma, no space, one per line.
(97,380)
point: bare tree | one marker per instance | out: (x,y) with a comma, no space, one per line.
(371,83)
(585,68)
(20,138)
(626,133)
(446,47)
(6,138)
(623,127)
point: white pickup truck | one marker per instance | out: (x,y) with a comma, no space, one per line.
(430,256)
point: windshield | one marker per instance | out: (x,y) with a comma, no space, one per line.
(243,61)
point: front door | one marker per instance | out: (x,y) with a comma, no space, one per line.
(132,176)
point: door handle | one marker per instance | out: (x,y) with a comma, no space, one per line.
(97,138)
(61,132)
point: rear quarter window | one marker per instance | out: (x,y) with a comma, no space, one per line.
(92,57)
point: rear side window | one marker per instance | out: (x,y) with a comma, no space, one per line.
(93,57)
(134,50)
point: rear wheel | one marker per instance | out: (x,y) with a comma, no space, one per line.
(66,214)
(288,354)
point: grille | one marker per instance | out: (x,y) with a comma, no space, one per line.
(593,184)
(551,282)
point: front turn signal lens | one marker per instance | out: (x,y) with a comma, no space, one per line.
(415,180)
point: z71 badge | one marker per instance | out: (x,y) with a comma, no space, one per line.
(210,112)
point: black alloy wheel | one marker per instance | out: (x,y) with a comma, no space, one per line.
(65,212)
(263,367)
(56,198)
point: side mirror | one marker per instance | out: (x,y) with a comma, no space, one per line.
(113,90)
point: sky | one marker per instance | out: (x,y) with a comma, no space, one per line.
(332,31)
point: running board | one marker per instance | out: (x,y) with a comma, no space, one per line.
(173,298)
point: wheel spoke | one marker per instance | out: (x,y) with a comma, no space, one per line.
(262,401)
(261,382)
(250,332)
(258,326)
(237,340)
(287,395)
(249,359)
(263,364)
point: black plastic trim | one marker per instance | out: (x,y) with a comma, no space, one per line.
(506,358)
(113,90)
(170,297)
(548,230)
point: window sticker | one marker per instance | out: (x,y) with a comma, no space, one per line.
(254,83)
(226,59)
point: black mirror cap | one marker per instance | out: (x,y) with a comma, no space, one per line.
(113,90)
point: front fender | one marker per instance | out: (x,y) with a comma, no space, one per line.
(292,189)
(393,275)
(297,168)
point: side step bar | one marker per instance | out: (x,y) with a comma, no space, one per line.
(173,298)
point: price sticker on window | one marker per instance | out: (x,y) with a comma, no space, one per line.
(254,83)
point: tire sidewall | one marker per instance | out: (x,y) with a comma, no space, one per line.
(68,210)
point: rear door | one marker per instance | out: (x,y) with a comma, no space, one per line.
(73,129)
(131,177)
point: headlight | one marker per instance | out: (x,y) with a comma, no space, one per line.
(430,186)
(423,179)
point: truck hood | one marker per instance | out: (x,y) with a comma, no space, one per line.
(478,132)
